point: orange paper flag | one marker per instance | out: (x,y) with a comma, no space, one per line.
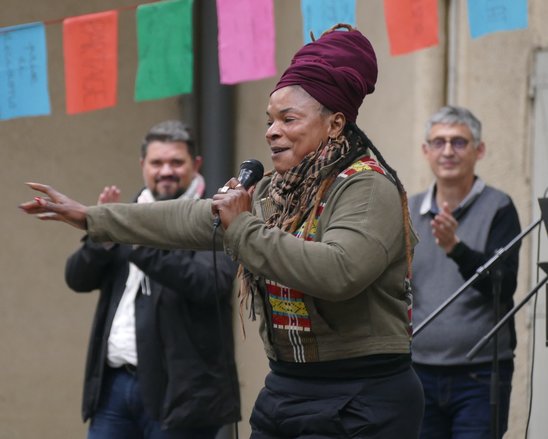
(412,24)
(90,44)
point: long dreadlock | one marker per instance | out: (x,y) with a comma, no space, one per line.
(361,143)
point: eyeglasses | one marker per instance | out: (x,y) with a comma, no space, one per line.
(457,143)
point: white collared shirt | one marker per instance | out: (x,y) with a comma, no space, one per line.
(122,343)
(122,340)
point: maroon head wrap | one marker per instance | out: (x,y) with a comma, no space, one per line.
(338,70)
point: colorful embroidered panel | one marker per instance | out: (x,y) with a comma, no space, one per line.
(288,309)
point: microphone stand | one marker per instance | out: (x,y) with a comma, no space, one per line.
(493,400)
(479,345)
(491,267)
(496,277)
(481,271)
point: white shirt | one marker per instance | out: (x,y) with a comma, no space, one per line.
(122,342)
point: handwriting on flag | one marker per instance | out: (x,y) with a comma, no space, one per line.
(164,37)
(320,15)
(246,40)
(411,24)
(23,72)
(487,16)
(90,45)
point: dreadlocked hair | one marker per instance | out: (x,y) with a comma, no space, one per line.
(357,137)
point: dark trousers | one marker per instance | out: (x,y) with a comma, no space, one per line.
(370,408)
(457,401)
(121,414)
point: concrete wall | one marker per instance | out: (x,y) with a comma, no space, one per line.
(44,327)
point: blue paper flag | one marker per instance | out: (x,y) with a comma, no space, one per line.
(486,16)
(23,71)
(320,15)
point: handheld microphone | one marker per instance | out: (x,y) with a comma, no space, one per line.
(251,171)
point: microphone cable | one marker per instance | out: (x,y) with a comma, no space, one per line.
(224,351)
(251,171)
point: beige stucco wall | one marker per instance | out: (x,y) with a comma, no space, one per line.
(44,327)
(492,79)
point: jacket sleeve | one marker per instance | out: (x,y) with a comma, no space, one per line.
(168,224)
(504,228)
(194,274)
(361,235)
(86,268)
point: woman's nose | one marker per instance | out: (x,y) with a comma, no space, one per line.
(272,131)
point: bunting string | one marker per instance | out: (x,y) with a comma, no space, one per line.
(246,46)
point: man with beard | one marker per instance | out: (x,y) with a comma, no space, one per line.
(161,358)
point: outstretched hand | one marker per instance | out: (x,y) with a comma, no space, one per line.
(55,206)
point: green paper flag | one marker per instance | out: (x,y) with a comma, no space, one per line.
(164,38)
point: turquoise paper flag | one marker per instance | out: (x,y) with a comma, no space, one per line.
(320,15)
(164,36)
(487,16)
(23,71)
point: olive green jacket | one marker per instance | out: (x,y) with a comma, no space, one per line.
(352,275)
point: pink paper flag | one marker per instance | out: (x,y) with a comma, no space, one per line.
(90,44)
(412,24)
(246,40)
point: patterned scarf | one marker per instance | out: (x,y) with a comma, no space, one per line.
(293,192)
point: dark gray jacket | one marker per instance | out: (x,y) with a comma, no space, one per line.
(184,335)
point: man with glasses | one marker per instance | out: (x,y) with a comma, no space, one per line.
(461,222)
(161,356)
